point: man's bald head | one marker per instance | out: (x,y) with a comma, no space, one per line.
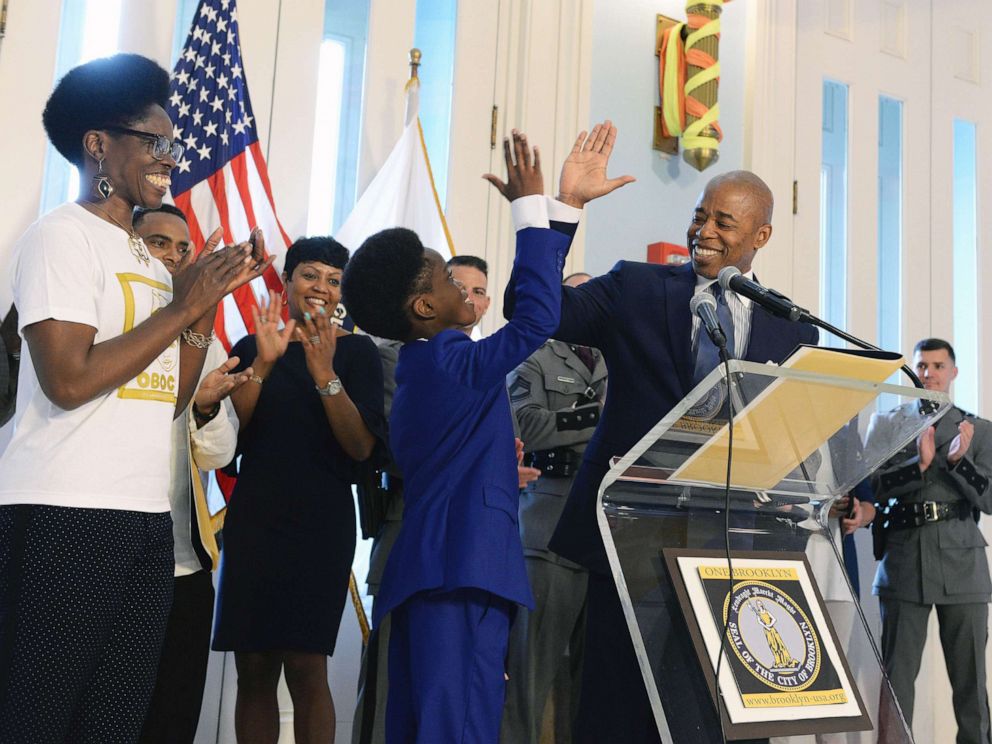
(746,180)
(731,221)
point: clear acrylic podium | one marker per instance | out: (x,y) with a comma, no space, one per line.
(800,443)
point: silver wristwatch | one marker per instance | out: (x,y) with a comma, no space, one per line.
(331,388)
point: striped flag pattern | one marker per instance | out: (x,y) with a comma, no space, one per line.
(222,179)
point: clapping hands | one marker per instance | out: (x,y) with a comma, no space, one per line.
(202,280)
(270,340)
(320,341)
(218,384)
(961,443)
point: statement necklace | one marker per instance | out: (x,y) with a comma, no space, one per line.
(134,241)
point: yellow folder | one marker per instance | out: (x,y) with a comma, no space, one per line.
(790,419)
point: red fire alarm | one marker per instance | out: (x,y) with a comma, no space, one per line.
(668,253)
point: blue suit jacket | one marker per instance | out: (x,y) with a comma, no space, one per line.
(451,434)
(638,316)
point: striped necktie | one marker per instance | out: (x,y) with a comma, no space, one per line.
(707,353)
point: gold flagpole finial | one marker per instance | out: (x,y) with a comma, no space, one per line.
(414,61)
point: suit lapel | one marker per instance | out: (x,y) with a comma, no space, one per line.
(679,286)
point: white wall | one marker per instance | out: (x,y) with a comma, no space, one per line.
(27,66)
(625,88)
(27,69)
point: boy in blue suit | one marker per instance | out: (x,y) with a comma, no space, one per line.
(457,569)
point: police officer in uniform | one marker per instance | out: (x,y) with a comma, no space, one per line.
(556,397)
(929,496)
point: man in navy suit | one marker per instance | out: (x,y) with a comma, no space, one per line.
(457,568)
(638,316)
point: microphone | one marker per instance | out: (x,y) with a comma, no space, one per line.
(703,304)
(776,303)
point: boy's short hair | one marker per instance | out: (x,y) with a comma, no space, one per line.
(383,274)
(472,261)
(140,213)
(322,249)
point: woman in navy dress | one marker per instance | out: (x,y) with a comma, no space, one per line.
(311,414)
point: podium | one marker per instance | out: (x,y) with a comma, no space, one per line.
(799,660)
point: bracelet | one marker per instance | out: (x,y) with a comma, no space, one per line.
(256,379)
(205,418)
(197,340)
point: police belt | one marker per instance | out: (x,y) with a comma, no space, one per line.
(908,516)
(560,462)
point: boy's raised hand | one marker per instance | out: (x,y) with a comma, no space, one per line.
(523,177)
(583,176)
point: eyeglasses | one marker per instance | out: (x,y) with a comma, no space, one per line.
(161,145)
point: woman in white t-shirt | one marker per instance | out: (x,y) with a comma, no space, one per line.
(113,350)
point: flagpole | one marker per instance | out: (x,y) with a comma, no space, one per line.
(272,96)
(3,21)
(414,62)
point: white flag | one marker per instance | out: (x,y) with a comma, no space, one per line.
(402,194)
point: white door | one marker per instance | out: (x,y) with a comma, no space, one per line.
(517,64)
(892,108)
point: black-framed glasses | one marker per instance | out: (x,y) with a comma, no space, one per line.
(161,145)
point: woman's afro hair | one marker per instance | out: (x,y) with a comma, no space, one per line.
(111,91)
(382,276)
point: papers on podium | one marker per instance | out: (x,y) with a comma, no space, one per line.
(789,419)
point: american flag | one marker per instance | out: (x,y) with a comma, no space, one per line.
(222,178)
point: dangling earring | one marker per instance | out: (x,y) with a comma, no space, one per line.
(102,187)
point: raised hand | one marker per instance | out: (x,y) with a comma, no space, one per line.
(320,340)
(583,176)
(959,446)
(270,340)
(523,177)
(927,448)
(218,384)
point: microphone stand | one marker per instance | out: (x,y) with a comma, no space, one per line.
(781,306)
(926,406)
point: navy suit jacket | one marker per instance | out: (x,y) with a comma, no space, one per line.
(638,316)
(451,434)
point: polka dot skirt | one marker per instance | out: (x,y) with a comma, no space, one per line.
(84,600)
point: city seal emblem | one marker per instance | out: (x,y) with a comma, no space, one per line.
(772,636)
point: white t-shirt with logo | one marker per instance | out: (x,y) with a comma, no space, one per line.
(112,452)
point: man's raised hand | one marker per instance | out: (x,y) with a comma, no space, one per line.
(583,176)
(523,177)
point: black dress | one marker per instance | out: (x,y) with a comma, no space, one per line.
(289,534)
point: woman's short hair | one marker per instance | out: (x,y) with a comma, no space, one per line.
(322,249)
(382,276)
(107,92)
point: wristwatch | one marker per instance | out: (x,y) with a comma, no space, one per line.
(331,388)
